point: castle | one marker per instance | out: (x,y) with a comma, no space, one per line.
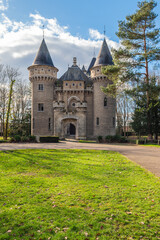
(73,105)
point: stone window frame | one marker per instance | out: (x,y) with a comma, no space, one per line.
(97,121)
(114,121)
(105,102)
(39,87)
(49,124)
(40,107)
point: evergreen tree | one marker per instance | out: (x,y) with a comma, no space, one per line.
(139,40)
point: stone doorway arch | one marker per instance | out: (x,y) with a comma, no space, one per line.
(69,128)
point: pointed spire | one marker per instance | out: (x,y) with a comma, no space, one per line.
(83,69)
(43,56)
(104,56)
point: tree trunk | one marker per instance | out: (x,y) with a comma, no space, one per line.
(8,109)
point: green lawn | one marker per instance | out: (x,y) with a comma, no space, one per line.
(76,194)
(150,145)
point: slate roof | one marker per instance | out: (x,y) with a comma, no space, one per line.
(91,65)
(43,56)
(74,73)
(104,56)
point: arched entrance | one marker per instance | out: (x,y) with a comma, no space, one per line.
(69,128)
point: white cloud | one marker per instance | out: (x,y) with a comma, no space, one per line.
(95,34)
(20,41)
(3,5)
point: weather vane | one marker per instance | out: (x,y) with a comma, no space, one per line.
(43,31)
(104,30)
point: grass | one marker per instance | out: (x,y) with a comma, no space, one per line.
(150,145)
(76,194)
(87,141)
(4,141)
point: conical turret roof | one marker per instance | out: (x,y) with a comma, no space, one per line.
(43,56)
(91,65)
(104,56)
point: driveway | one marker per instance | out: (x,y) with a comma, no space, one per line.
(147,157)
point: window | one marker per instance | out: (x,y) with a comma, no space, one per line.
(105,102)
(49,123)
(73,84)
(97,121)
(33,123)
(113,121)
(66,84)
(80,84)
(40,87)
(40,107)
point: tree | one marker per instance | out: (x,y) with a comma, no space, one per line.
(11,74)
(139,123)
(3,96)
(139,38)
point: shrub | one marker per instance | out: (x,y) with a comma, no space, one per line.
(115,138)
(123,140)
(49,139)
(32,138)
(24,139)
(16,138)
(100,138)
(108,138)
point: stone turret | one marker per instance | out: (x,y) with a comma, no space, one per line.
(104,106)
(42,74)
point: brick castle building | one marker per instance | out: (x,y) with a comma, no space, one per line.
(74,104)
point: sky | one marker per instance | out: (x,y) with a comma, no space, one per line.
(72,29)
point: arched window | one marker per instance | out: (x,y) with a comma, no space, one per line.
(105,102)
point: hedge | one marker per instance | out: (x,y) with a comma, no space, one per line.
(49,139)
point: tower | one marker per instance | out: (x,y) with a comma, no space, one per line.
(104,106)
(42,74)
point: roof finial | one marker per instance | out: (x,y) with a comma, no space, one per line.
(43,31)
(74,61)
(104,31)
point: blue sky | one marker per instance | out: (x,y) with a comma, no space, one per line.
(72,28)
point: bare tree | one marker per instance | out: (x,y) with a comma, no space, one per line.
(11,75)
(3,96)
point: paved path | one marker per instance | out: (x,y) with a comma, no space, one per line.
(147,157)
